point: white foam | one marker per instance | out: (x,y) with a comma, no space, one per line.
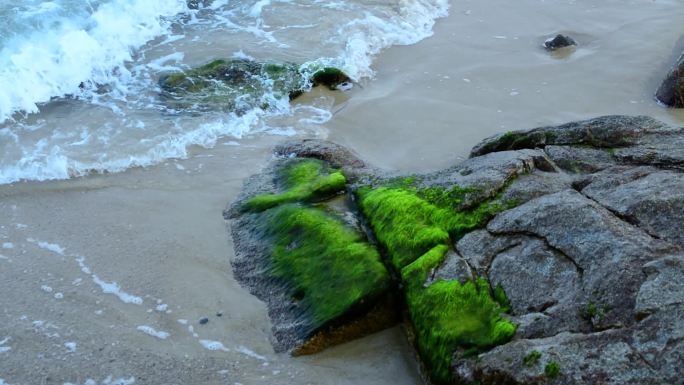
(46,288)
(107,287)
(70,346)
(250,353)
(53,247)
(56,59)
(113,288)
(7,245)
(5,349)
(213,345)
(154,333)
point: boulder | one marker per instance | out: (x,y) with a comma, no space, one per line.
(551,256)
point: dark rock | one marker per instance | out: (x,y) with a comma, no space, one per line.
(559,41)
(574,230)
(204,321)
(671,91)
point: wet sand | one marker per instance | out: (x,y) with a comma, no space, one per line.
(159,234)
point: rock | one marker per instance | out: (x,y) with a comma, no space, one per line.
(240,85)
(671,91)
(551,256)
(559,41)
(204,321)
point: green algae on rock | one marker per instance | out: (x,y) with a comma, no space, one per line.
(327,267)
(408,225)
(303,181)
(415,226)
(239,85)
(448,315)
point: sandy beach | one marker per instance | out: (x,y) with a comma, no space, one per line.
(105,278)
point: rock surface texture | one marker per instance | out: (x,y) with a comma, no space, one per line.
(551,256)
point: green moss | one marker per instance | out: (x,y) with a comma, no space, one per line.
(552,369)
(531,359)
(448,315)
(303,181)
(408,225)
(326,266)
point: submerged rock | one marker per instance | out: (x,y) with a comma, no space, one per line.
(671,91)
(559,41)
(552,255)
(239,85)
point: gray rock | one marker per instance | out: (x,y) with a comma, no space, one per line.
(453,268)
(596,358)
(590,257)
(535,276)
(602,132)
(580,159)
(664,286)
(651,199)
(671,91)
(607,252)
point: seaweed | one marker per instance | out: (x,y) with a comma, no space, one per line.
(327,268)
(303,181)
(408,225)
(448,315)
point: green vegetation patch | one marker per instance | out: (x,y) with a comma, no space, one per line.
(408,221)
(326,266)
(552,369)
(531,359)
(447,315)
(303,181)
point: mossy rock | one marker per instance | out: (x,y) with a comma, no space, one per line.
(327,267)
(300,181)
(239,85)
(408,221)
(416,227)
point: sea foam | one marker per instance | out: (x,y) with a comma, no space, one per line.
(69,50)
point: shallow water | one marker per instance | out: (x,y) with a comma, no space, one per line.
(157,232)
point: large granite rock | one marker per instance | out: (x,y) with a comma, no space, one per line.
(551,256)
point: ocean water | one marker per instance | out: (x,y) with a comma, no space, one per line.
(80,87)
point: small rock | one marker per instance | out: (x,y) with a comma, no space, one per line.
(558,42)
(204,320)
(219,314)
(671,92)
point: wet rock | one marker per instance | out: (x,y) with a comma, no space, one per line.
(240,85)
(204,321)
(559,41)
(559,247)
(671,91)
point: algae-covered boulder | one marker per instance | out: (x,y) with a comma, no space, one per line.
(551,256)
(239,85)
(324,283)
